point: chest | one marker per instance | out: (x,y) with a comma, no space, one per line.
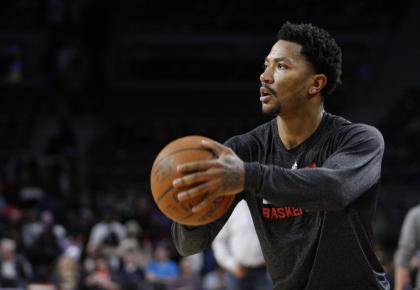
(275,220)
(307,155)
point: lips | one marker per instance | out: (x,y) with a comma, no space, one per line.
(265,94)
(266,98)
(264,91)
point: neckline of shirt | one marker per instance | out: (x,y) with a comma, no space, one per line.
(305,144)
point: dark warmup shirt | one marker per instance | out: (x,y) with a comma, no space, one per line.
(312,205)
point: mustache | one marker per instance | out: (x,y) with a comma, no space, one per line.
(272,91)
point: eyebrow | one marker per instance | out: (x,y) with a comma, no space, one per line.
(279,59)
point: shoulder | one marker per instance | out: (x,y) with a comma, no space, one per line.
(100,226)
(414,213)
(248,146)
(365,132)
(256,136)
(118,225)
(356,133)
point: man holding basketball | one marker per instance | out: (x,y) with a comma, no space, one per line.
(310,178)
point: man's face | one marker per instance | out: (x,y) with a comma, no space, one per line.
(286,80)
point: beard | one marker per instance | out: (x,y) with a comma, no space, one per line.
(272,110)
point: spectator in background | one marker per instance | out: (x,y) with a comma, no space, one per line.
(102,277)
(41,244)
(31,229)
(92,252)
(161,271)
(131,275)
(186,279)
(408,246)
(237,250)
(135,242)
(11,222)
(108,234)
(109,231)
(15,269)
(215,280)
(196,262)
(66,273)
(81,219)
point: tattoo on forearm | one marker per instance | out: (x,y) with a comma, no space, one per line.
(231,177)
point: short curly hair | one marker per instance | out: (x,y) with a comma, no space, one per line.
(319,49)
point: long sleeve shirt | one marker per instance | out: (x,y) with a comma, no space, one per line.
(312,205)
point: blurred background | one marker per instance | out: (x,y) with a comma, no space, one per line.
(91,91)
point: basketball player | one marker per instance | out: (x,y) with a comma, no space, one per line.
(310,178)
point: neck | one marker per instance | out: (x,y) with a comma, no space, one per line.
(293,130)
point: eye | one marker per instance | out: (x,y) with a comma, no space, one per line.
(264,66)
(281,66)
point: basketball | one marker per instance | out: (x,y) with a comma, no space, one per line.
(179,151)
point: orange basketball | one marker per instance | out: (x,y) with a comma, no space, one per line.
(179,151)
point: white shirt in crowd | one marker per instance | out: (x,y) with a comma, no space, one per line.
(102,230)
(237,242)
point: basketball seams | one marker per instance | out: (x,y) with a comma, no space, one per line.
(158,164)
(197,217)
(163,194)
(164,171)
(213,154)
(186,217)
(227,202)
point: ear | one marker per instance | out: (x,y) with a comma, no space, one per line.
(318,82)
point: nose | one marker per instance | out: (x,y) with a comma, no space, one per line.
(267,76)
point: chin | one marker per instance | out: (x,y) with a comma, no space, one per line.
(270,110)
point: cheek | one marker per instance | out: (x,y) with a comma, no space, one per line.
(284,81)
(290,85)
(284,88)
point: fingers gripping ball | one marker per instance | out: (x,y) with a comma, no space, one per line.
(164,171)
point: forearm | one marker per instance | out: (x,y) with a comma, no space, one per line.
(315,188)
(190,240)
(402,277)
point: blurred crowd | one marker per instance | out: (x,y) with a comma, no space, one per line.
(108,240)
